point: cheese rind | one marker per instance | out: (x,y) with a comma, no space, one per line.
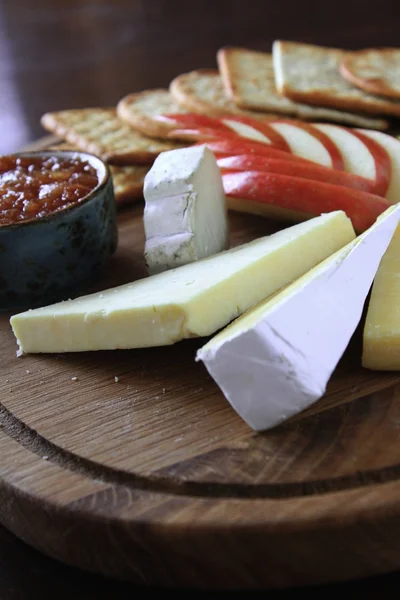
(381,336)
(277,359)
(185,215)
(193,300)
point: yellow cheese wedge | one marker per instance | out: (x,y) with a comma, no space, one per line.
(381,340)
(196,299)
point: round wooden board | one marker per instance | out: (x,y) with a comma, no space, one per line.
(154,478)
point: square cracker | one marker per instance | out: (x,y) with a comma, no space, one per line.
(249,80)
(202,91)
(310,74)
(101,132)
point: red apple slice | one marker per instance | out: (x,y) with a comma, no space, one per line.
(201,134)
(194,121)
(301,196)
(386,152)
(337,161)
(303,143)
(237,146)
(259,131)
(361,157)
(295,169)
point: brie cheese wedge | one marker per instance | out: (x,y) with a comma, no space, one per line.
(193,300)
(277,359)
(185,215)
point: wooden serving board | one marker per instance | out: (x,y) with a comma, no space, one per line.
(154,478)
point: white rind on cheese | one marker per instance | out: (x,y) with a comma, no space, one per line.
(277,359)
(185,215)
(194,300)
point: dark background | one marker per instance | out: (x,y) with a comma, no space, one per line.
(57,54)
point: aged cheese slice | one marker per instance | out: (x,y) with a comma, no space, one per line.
(185,215)
(381,339)
(193,300)
(276,360)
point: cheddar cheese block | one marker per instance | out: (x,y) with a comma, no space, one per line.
(381,338)
(193,300)
(277,359)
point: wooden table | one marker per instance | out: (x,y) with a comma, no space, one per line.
(77,53)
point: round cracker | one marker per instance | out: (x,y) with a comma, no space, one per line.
(374,70)
(141,109)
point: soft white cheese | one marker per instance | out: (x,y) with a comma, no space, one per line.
(193,300)
(185,216)
(277,359)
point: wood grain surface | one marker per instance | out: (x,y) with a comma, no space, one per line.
(154,478)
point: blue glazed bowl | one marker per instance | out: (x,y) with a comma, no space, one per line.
(57,257)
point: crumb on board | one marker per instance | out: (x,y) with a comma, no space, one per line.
(116,379)
(74,378)
(45,457)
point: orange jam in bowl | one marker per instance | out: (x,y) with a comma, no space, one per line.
(34,187)
(58,226)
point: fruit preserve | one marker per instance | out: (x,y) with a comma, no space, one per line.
(34,187)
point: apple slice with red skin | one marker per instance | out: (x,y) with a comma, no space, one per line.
(383,163)
(234,147)
(305,144)
(201,134)
(311,171)
(256,130)
(329,145)
(360,156)
(392,146)
(194,127)
(237,130)
(242,126)
(301,196)
(194,121)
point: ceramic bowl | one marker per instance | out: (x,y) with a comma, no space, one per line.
(56,257)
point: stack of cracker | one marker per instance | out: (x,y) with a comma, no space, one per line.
(295,80)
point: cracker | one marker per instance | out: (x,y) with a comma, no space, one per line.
(140,111)
(310,74)
(203,92)
(128,181)
(374,70)
(98,130)
(248,78)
